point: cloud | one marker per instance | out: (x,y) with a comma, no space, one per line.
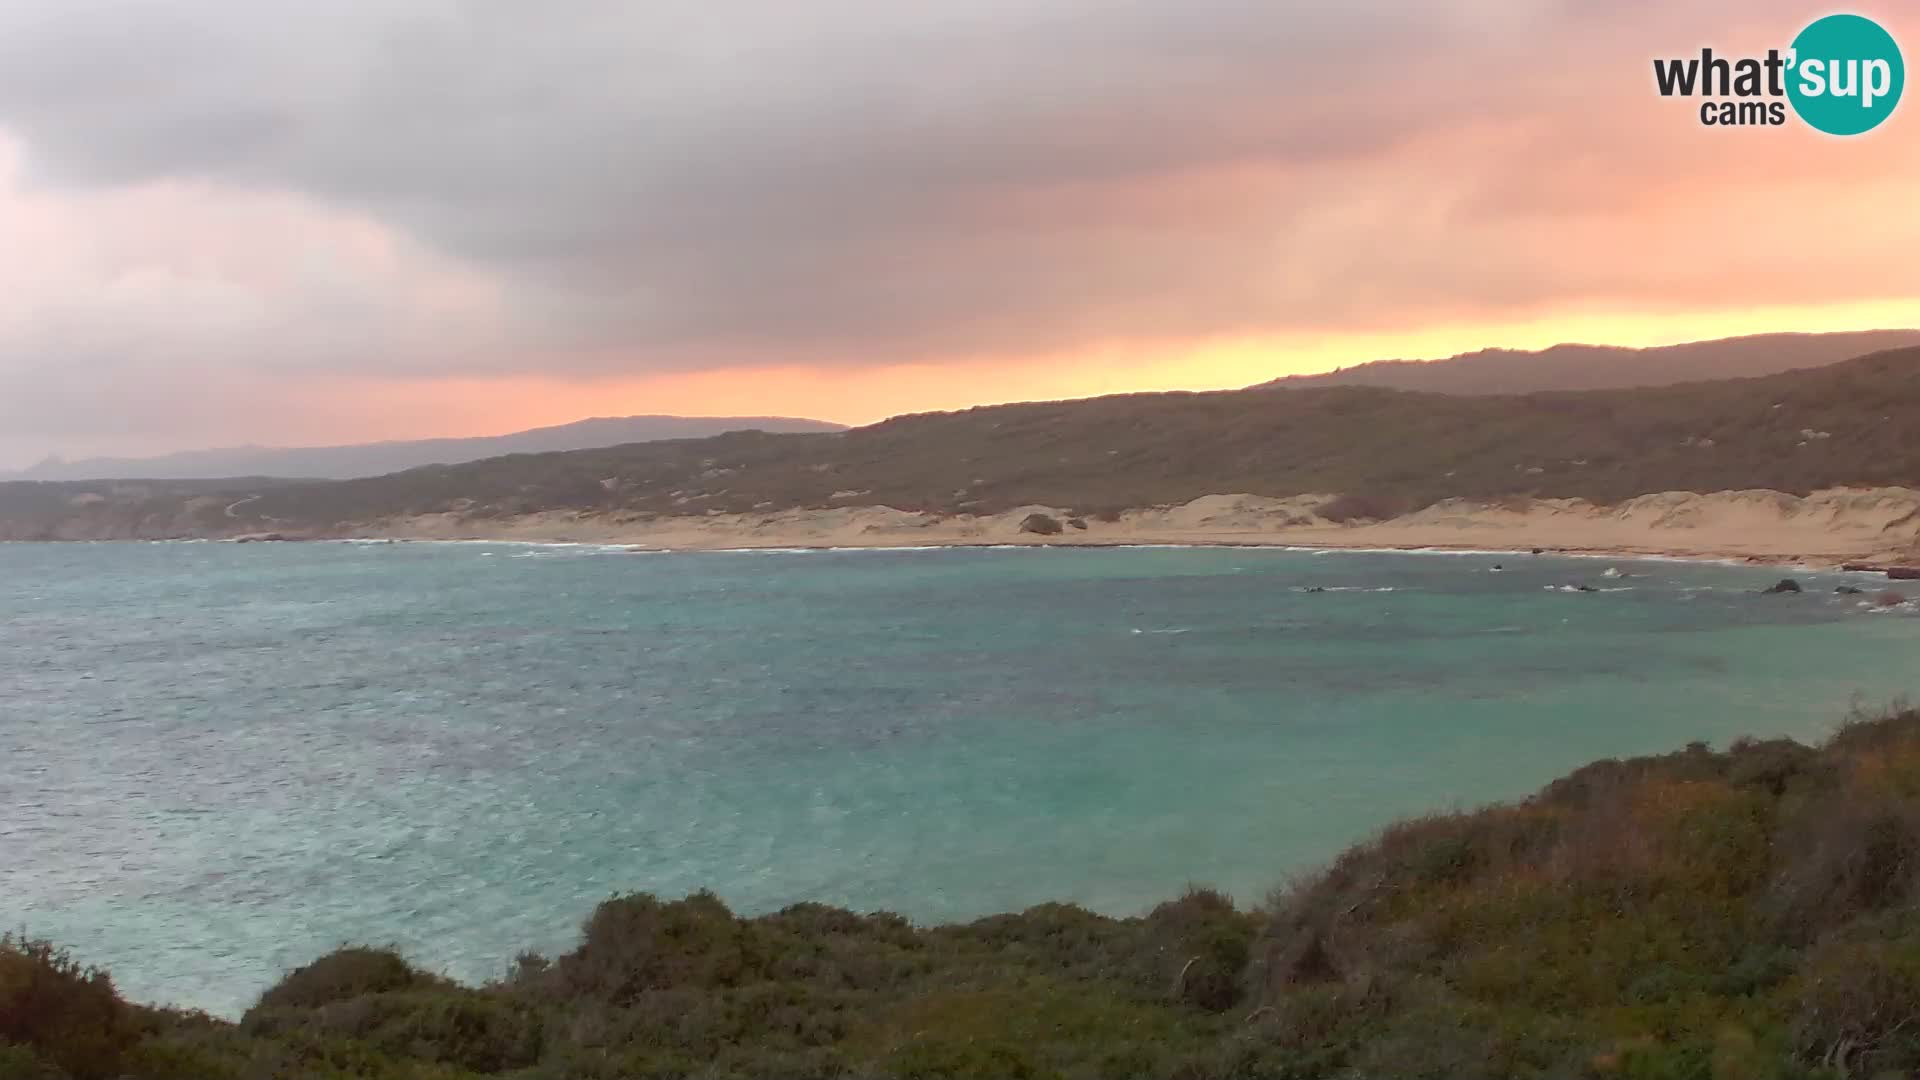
(414,188)
(142,313)
(696,181)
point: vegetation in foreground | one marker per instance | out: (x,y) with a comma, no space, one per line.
(1734,916)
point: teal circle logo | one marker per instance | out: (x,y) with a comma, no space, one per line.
(1845,75)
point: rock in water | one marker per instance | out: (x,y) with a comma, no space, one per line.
(1785,585)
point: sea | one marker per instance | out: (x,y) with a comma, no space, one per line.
(218,761)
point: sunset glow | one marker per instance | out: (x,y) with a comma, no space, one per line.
(473,407)
(384,260)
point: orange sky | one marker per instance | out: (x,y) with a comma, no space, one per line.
(246,236)
(861,396)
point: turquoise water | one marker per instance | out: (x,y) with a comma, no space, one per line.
(221,760)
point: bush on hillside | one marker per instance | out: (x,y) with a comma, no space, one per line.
(341,975)
(1040,525)
(1342,509)
(636,943)
(59,1014)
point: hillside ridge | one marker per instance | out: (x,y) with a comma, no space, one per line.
(1575,366)
(1389,451)
(394,455)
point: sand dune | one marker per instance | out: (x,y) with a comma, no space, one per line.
(1827,526)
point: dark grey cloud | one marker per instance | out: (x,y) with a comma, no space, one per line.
(407,187)
(696,181)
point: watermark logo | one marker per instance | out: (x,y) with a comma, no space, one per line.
(1850,72)
(1842,75)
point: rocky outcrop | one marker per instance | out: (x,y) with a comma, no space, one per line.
(1897,573)
(1041,525)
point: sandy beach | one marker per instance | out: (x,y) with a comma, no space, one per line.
(1824,528)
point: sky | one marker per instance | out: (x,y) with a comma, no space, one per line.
(320,222)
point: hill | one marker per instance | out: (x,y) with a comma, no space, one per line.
(1850,423)
(1604,367)
(373,459)
(1749,913)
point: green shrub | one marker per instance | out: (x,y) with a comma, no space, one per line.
(1856,1005)
(470,1030)
(21,1063)
(1773,766)
(1061,939)
(461,1028)
(1040,525)
(342,974)
(632,944)
(834,948)
(1425,1030)
(1847,855)
(1748,915)
(1345,508)
(955,1059)
(65,1014)
(172,1057)
(1209,940)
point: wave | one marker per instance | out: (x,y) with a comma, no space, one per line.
(1411,551)
(1905,607)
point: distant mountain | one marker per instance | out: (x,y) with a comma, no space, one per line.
(1606,367)
(1849,423)
(375,459)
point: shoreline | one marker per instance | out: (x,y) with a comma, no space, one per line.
(616,546)
(1825,529)
(1602,554)
(1819,562)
